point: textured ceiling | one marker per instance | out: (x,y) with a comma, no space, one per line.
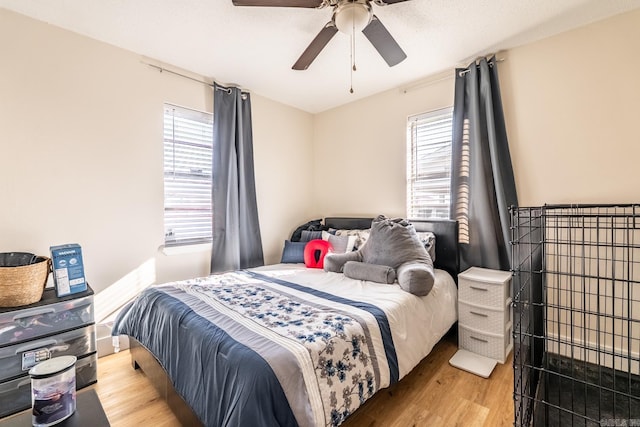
(255,47)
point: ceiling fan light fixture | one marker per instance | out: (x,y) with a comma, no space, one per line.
(352,15)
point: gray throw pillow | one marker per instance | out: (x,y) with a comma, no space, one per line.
(372,272)
(393,243)
(339,244)
(307,236)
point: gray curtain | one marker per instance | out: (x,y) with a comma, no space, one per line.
(236,231)
(482,179)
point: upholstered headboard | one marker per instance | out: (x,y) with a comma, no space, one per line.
(446,231)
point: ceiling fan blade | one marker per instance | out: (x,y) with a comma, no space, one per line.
(384,43)
(390,1)
(315,47)
(279,3)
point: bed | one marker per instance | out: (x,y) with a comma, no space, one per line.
(284,345)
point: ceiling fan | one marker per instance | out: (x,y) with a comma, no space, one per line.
(349,16)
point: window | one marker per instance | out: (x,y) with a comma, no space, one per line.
(188,148)
(429,164)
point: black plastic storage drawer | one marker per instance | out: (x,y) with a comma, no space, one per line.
(15,395)
(87,371)
(49,316)
(17,359)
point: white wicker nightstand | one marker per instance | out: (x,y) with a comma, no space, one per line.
(484,320)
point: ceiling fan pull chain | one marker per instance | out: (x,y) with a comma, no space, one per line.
(353,50)
(351,73)
(353,37)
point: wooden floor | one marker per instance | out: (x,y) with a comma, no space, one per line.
(433,394)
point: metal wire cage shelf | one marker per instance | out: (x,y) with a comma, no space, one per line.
(576,310)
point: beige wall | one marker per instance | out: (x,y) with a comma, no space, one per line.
(81,155)
(571,106)
(81,144)
(360,150)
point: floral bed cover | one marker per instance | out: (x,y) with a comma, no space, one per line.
(285,345)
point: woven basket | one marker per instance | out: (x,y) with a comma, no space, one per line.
(25,284)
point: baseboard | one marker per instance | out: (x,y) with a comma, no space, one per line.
(105,340)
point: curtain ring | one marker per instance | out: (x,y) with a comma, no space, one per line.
(224,89)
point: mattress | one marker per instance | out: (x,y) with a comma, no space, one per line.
(286,345)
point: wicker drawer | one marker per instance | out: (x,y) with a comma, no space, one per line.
(485,319)
(484,287)
(15,395)
(17,359)
(26,324)
(495,346)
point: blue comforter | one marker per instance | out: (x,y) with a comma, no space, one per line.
(247,349)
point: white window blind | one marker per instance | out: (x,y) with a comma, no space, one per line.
(429,164)
(188,148)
